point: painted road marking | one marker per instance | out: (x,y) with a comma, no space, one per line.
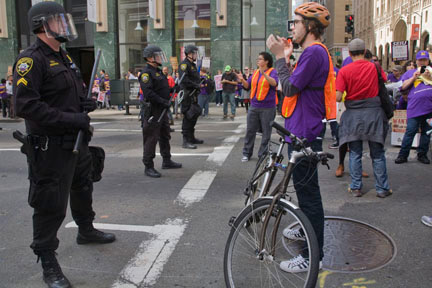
(140,131)
(147,264)
(9,149)
(220,154)
(196,188)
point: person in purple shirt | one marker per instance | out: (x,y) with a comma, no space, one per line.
(396,75)
(262,86)
(419,109)
(310,22)
(347,61)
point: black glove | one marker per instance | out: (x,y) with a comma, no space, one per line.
(197,86)
(82,121)
(88,105)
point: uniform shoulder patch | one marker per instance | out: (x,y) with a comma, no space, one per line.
(145,77)
(183,67)
(24,65)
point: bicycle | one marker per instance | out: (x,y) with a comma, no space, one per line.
(265,171)
(255,245)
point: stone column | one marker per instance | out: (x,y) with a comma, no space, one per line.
(107,42)
(9,46)
(226,41)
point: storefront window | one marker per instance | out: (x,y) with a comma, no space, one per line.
(192,25)
(253,31)
(133,24)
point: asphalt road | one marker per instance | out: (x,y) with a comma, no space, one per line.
(171,232)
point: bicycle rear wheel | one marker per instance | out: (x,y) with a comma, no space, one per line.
(246,266)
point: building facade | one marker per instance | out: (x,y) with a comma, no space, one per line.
(401,20)
(129,29)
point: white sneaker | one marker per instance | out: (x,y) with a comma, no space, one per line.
(293,234)
(245,159)
(296,265)
(427,220)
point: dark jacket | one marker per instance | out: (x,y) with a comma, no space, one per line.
(48,89)
(363,120)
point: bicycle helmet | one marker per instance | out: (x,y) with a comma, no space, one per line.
(314,11)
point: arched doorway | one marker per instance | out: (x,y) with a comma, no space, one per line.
(425,40)
(387,57)
(400,31)
(380,55)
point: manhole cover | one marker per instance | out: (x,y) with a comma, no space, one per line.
(353,246)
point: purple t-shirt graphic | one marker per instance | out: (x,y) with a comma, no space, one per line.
(270,99)
(312,71)
(419,97)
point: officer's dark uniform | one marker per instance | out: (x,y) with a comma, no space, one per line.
(156,94)
(190,84)
(49,95)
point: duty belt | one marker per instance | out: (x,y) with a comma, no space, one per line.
(42,141)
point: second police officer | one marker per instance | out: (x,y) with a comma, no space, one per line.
(190,84)
(156,102)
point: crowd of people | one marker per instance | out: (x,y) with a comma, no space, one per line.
(53,112)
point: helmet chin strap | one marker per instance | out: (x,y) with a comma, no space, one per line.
(57,36)
(154,62)
(306,34)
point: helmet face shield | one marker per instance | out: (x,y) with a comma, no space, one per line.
(160,57)
(60,26)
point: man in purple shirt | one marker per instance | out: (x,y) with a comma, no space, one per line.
(418,110)
(262,86)
(306,80)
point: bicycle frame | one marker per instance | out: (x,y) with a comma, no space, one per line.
(277,194)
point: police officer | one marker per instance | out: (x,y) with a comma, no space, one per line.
(190,84)
(156,95)
(50,97)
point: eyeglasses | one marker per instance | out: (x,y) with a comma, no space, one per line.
(297,21)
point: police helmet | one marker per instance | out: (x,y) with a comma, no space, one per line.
(156,52)
(53,18)
(190,49)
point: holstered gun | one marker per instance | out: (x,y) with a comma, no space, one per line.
(27,147)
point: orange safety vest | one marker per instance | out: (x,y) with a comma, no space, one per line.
(289,103)
(261,87)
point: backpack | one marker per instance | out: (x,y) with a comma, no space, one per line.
(210,86)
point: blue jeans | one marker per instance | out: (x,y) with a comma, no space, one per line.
(228,97)
(219,97)
(413,125)
(203,101)
(377,154)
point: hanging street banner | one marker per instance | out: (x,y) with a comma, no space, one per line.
(399,50)
(415,32)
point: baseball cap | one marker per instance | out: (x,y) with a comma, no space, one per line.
(356,44)
(422,54)
(227,68)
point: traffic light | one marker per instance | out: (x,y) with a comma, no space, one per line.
(349,28)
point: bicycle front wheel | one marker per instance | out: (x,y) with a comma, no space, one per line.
(246,266)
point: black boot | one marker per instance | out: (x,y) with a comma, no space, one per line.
(197,141)
(188,144)
(52,273)
(91,235)
(169,164)
(151,172)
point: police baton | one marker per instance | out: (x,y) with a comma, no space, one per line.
(150,120)
(89,92)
